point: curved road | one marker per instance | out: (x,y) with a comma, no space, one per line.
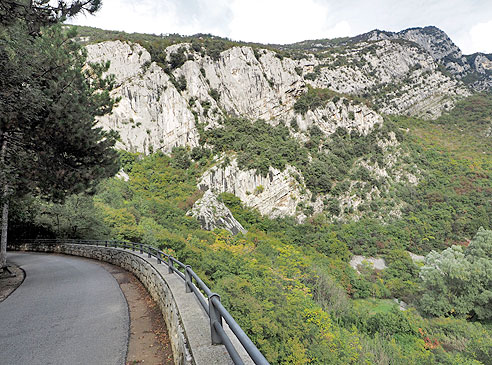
(67,311)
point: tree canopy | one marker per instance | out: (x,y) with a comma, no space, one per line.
(38,13)
(458,280)
(49,98)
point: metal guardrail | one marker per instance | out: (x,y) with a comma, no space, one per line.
(214,308)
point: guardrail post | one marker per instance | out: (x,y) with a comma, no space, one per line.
(158,257)
(148,253)
(215,316)
(170,265)
(133,246)
(105,243)
(141,248)
(188,279)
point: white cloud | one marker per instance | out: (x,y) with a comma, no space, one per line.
(341,29)
(288,21)
(281,21)
(127,16)
(147,16)
(481,37)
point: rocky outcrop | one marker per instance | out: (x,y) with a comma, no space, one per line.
(443,50)
(212,214)
(263,87)
(482,64)
(416,258)
(399,72)
(275,195)
(340,114)
(164,106)
(161,108)
(152,115)
(375,262)
(433,40)
(156,112)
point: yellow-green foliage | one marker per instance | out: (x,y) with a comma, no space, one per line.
(264,282)
(287,285)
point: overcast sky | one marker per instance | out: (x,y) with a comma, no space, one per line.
(467,22)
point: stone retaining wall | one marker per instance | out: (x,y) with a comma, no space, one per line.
(187,322)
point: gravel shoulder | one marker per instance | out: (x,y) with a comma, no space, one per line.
(149,341)
(9,283)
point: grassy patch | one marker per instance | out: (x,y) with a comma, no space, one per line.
(373,306)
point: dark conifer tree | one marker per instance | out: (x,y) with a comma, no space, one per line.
(49,98)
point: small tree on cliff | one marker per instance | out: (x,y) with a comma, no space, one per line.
(49,98)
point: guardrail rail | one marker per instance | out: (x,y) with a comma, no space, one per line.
(208,300)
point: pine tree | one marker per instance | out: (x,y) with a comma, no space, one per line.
(39,13)
(49,98)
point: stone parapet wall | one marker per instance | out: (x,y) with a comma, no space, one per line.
(187,322)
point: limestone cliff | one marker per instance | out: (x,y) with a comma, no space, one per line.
(165,104)
(398,77)
(277,194)
(159,109)
(152,114)
(443,50)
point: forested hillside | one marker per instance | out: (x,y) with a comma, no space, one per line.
(376,169)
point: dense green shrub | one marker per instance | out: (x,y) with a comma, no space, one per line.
(313,99)
(457,280)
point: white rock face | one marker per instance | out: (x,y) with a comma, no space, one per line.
(398,73)
(275,195)
(340,114)
(212,214)
(442,49)
(483,63)
(399,77)
(366,65)
(154,115)
(376,263)
(151,115)
(433,40)
(257,88)
(416,258)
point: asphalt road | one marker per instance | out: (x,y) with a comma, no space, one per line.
(67,311)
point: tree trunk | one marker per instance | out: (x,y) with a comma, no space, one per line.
(5,205)
(5,222)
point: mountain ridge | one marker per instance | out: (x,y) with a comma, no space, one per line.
(330,106)
(433,40)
